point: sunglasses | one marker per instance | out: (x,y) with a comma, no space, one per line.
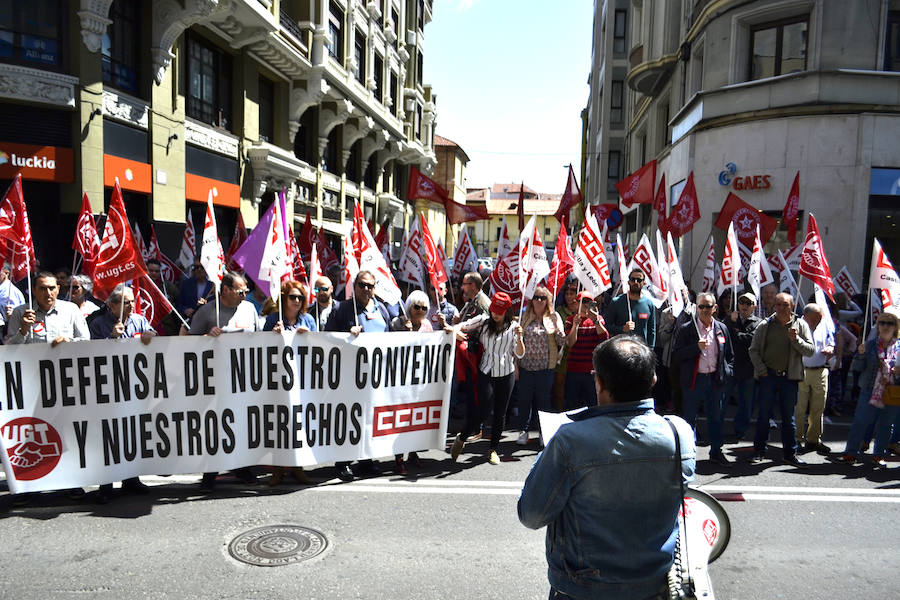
(296,297)
(242,292)
(321,289)
(419,307)
(705,306)
(540,298)
(366,286)
(745,302)
(636,279)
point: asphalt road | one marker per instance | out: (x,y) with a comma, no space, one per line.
(445,531)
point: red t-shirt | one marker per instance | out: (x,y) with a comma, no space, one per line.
(580,355)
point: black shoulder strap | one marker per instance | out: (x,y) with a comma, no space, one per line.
(680,475)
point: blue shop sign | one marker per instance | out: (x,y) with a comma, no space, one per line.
(884,182)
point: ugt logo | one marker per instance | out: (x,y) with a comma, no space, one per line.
(33,445)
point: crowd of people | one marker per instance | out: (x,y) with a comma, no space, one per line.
(516,359)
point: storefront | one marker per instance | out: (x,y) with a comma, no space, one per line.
(207,171)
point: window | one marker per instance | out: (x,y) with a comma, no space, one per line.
(120,52)
(419,67)
(612,170)
(615,102)
(359,55)
(778,48)
(395,88)
(209,83)
(418,123)
(420,16)
(330,156)
(892,52)
(619,31)
(665,132)
(395,23)
(305,143)
(378,75)
(336,32)
(697,67)
(266,110)
(31,32)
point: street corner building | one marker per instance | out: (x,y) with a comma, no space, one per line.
(322,98)
(749,96)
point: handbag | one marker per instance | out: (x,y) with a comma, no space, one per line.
(891,395)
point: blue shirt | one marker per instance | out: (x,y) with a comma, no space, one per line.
(372,320)
(606,488)
(102,327)
(305,320)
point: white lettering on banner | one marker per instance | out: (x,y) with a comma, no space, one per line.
(99,411)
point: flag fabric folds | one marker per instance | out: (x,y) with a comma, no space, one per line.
(792,209)
(436,272)
(589,260)
(86,241)
(745,218)
(709,269)
(463,213)
(464,258)
(237,240)
(15,231)
(212,256)
(571,197)
(637,188)
(188,251)
(424,187)
(119,259)
(563,260)
(883,276)
(150,302)
(533,264)
(686,212)
(731,260)
(846,283)
(370,258)
(813,263)
(659,205)
(167,267)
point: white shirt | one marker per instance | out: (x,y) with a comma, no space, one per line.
(822,338)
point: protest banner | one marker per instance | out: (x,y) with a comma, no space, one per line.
(92,412)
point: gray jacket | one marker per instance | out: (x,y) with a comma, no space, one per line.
(800,347)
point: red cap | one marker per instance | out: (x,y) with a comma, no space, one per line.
(500,303)
(585,295)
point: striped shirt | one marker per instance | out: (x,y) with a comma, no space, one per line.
(498,356)
(581,353)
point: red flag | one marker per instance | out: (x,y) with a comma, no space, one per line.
(563,260)
(381,238)
(15,230)
(433,262)
(520,207)
(424,187)
(570,198)
(86,241)
(119,258)
(745,218)
(792,209)
(608,214)
(462,213)
(327,256)
(637,188)
(659,205)
(307,236)
(150,302)
(813,264)
(686,212)
(299,271)
(167,267)
(239,237)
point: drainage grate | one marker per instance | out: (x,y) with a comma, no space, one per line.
(277,545)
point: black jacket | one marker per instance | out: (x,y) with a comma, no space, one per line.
(687,353)
(741,332)
(343,318)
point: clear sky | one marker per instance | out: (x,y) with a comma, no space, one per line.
(511,80)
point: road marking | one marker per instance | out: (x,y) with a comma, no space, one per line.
(796,490)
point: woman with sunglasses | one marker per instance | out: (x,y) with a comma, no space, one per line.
(417,305)
(294,318)
(293,312)
(877,364)
(502,342)
(80,287)
(544,340)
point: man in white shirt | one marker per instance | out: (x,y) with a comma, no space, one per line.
(10,296)
(813,389)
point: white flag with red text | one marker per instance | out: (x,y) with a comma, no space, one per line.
(465,259)
(883,276)
(709,269)
(644,260)
(731,260)
(845,282)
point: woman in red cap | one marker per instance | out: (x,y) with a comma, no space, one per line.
(584,331)
(501,340)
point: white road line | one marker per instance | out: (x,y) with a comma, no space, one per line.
(744,489)
(803,498)
(405,489)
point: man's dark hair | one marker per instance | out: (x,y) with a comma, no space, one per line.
(636,270)
(153,261)
(229,277)
(363,273)
(626,366)
(475,278)
(42,275)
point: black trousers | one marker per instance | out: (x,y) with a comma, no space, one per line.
(493,394)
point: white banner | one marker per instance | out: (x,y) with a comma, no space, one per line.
(94,412)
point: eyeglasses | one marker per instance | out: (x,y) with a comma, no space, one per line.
(295,297)
(636,279)
(540,298)
(366,286)
(321,289)
(705,306)
(75,287)
(745,302)
(419,307)
(242,292)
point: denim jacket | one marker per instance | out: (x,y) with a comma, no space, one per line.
(605,487)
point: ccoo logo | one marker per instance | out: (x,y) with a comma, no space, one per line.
(33,445)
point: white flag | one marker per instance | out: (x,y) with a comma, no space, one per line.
(661,252)
(412,267)
(465,260)
(591,267)
(728,276)
(536,255)
(505,245)
(883,276)
(188,245)
(621,265)
(845,282)
(709,270)
(315,271)
(754,271)
(274,264)
(786,281)
(676,278)
(644,260)
(212,256)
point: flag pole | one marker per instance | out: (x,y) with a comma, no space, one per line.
(867,321)
(74,259)
(702,256)
(217,309)
(28,276)
(163,293)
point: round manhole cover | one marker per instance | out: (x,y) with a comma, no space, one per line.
(277,545)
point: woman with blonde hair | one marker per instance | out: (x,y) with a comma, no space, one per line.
(293,317)
(544,339)
(876,362)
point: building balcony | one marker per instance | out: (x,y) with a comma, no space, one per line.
(636,56)
(649,77)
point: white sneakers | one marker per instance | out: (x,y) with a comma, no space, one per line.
(523,438)
(495,458)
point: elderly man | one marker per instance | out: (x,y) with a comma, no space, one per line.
(779,344)
(607,486)
(53,321)
(767,300)
(120,322)
(235,314)
(476,301)
(363,314)
(325,302)
(641,321)
(706,359)
(813,389)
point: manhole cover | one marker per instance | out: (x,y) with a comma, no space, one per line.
(277,545)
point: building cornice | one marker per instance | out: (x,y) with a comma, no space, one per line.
(35,85)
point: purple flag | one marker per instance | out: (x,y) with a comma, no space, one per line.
(250,254)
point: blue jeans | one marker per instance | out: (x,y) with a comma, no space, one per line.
(781,392)
(534,395)
(713,395)
(865,416)
(745,392)
(580,390)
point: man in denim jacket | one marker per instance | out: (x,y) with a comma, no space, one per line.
(606,485)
